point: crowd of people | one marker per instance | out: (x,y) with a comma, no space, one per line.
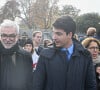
(63,63)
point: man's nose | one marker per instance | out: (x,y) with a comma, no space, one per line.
(8,38)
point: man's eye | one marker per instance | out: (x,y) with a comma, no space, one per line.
(3,35)
(59,34)
(11,35)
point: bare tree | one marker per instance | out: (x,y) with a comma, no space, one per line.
(43,12)
(25,7)
(38,13)
(10,10)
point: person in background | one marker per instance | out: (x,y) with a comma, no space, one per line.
(22,39)
(37,38)
(28,46)
(67,65)
(16,72)
(76,36)
(91,32)
(47,43)
(93,46)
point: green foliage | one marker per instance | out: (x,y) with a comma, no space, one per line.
(87,20)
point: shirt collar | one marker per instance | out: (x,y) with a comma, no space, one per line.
(70,49)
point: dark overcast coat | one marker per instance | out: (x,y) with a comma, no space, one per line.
(53,72)
(15,75)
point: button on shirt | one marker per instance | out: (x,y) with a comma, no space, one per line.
(70,51)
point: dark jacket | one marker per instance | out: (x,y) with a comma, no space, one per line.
(40,48)
(98,81)
(53,72)
(97,76)
(15,69)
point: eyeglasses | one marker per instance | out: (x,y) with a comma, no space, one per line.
(8,36)
(93,48)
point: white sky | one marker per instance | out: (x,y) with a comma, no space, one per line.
(2,2)
(85,6)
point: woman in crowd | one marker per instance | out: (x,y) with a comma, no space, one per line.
(30,48)
(93,45)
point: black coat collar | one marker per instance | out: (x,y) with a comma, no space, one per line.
(78,48)
(12,50)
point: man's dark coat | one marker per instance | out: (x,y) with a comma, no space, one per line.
(53,72)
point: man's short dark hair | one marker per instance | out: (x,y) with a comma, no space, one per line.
(66,23)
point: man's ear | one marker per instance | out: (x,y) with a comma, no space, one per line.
(70,34)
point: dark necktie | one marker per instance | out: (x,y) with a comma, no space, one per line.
(67,55)
(37,52)
(67,52)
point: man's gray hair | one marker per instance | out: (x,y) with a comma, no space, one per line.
(10,23)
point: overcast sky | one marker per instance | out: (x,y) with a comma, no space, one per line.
(2,2)
(84,5)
